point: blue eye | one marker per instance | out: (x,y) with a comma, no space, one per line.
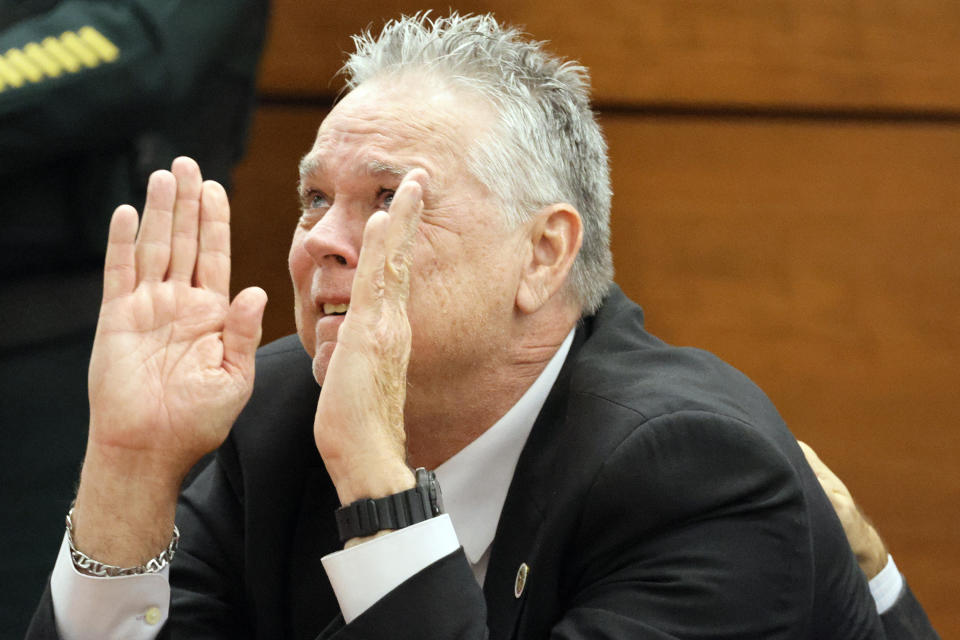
(311,199)
(387,195)
(313,206)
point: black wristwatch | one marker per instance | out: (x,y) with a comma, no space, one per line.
(366,516)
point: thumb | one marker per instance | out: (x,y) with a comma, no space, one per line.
(242,330)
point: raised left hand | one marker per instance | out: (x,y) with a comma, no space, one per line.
(359,429)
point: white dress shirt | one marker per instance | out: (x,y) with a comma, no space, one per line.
(885,587)
(121,608)
(474,482)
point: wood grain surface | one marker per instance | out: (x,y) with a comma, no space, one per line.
(860,54)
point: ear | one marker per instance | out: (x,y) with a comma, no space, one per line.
(554,235)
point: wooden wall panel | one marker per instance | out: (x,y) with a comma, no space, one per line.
(861,54)
(266,209)
(820,258)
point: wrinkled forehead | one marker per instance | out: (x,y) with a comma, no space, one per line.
(393,120)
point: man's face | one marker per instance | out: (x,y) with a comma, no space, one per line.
(466,263)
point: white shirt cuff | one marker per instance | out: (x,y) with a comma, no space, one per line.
(364,573)
(129,607)
(885,587)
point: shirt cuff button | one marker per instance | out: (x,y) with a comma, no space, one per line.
(151,616)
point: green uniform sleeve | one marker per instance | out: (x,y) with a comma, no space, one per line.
(86,74)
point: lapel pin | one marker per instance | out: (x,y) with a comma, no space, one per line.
(521,580)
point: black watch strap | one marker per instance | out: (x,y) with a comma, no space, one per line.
(367,516)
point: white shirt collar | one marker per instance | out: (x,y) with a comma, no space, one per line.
(476,479)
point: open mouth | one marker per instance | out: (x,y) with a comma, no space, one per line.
(335,309)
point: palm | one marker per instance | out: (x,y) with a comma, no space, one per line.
(153,351)
(172,363)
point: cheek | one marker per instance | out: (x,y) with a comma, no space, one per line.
(304,323)
(447,301)
(301,267)
(298,260)
(454,279)
(301,273)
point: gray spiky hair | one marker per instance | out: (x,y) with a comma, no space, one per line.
(546,146)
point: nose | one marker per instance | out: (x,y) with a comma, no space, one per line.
(335,239)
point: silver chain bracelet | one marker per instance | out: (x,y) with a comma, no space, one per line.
(87,565)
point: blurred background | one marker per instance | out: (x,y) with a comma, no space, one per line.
(785,195)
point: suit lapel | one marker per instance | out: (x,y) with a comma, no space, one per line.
(520,529)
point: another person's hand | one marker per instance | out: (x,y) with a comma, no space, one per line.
(866,543)
(172,362)
(359,428)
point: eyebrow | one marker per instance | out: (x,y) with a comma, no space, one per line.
(378,168)
(310,164)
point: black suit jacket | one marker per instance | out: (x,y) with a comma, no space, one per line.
(659,495)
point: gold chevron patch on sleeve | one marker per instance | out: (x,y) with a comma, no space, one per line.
(72,51)
(107,51)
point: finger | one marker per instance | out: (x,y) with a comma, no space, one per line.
(831,483)
(366,294)
(814,461)
(405,214)
(186,215)
(809,453)
(119,266)
(242,331)
(153,242)
(213,261)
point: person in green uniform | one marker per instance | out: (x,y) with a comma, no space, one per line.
(94,96)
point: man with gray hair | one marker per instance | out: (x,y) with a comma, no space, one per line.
(454,303)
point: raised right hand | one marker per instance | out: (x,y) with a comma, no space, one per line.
(173,359)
